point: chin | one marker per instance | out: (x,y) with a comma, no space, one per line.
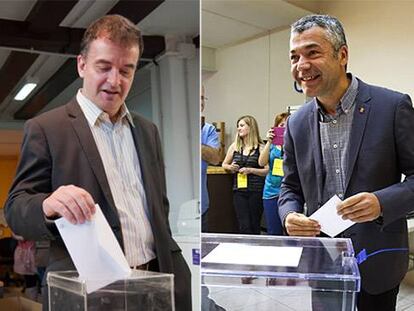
(310,93)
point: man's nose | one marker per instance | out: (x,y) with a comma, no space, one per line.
(303,64)
(113,77)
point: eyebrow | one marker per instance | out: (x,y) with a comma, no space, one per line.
(307,47)
(105,62)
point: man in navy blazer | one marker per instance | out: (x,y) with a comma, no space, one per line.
(354,140)
(72,155)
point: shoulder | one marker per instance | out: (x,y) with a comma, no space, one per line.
(53,119)
(232,147)
(209,136)
(300,117)
(384,96)
(143,123)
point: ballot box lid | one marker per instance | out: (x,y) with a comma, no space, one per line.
(261,260)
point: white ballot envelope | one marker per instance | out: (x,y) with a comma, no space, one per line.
(331,223)
(95,251)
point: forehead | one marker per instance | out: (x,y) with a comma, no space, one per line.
(103,48)
(310,38)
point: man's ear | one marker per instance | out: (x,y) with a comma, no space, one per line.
(343,55)
(81,65)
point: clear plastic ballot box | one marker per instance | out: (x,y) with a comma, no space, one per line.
(141,291)
(249,272)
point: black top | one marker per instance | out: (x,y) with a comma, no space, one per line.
(254,182)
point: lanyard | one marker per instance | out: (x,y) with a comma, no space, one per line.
(244,158)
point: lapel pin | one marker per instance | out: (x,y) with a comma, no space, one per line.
(361,109)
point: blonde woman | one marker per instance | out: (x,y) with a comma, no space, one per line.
(242,159)
(272,155)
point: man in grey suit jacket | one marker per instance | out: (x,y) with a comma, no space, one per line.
(93,150)
(353,140)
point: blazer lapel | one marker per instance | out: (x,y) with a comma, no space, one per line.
(87,142)
(361,113)
(144,162)
(316,148)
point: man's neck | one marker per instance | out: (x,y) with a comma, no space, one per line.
(330,102)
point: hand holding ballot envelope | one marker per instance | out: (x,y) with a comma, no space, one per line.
(335,216)
(73,203)
(300,225)
(361,207)
(105,262)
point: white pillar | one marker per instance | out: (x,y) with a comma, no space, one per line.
(175,98)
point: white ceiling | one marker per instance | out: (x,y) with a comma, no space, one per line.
(226,23)
(173,17)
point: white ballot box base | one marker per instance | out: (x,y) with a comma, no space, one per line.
(141,291)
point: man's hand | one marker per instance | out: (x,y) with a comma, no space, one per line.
(300,225)
(361,207)
(73,203)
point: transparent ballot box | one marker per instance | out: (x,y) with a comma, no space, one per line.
(248,272)
(141,291)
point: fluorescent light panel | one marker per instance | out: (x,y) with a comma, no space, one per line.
(25,91)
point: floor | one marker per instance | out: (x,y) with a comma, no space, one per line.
(405,300)
(263,299)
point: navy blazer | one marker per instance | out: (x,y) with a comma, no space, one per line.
(381,149)
(59,149)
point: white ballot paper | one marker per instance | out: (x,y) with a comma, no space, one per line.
(95,251)
(242,254)
(331,223)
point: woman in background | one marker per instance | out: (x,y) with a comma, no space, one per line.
(272,156)
(242,159)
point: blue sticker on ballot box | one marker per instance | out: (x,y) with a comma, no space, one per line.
(196,256)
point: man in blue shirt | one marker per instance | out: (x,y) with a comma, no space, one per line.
(209,155)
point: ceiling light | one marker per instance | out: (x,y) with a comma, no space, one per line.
(25,91)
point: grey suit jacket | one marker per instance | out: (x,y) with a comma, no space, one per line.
(58,149)
(381,149)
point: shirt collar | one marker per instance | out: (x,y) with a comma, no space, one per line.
(347,100)
(93,113)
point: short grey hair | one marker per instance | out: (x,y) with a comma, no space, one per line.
(335,31)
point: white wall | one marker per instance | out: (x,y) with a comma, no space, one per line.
(380,42)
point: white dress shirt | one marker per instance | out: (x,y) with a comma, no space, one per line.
(122,168)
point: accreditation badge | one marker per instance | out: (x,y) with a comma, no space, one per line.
(277,169)
(241,181)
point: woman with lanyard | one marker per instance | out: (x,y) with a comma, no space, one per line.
(272,155)
(242,159)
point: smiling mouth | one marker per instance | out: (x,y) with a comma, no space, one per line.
(309,78)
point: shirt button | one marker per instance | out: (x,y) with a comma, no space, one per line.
(334,121)
(335,146)
(340,195)
(337,171)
